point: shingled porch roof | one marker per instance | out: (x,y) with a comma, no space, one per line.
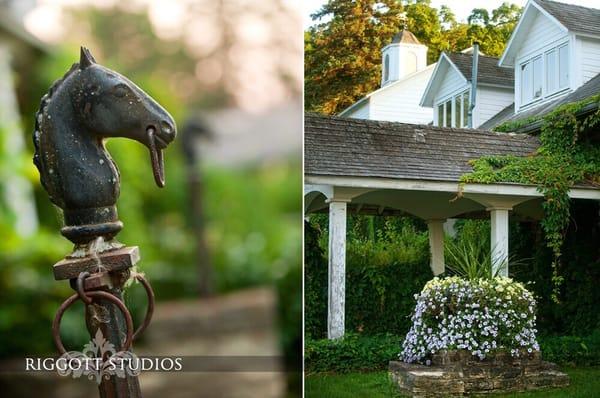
(366,148)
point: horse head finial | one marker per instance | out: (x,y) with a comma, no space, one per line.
(89,104)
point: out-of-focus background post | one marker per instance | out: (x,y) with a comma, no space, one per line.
(221,243)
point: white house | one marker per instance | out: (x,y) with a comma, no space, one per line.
(555,54)
(404,76)
(381,167)
(449,90)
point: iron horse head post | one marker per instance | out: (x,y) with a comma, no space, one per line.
(89,104)
(80,111)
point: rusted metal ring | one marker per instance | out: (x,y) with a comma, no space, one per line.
(149,310)
(99,294)
(80,290)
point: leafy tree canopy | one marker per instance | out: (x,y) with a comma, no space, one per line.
(343,48)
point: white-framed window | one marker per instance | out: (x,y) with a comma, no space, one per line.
(531,80)
(557,69)
(544,74)
(454,111)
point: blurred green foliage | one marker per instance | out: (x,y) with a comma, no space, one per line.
(253,227)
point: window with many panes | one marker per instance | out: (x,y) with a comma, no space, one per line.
(544,74)
(454,111)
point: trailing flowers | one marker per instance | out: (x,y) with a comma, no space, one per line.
(482,316)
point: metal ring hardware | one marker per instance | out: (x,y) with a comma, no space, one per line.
(93,294)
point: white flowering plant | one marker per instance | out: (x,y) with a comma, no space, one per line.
(482,316)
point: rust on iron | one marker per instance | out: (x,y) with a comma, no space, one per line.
(113,260)
(79,288)
(93,295)
(98,281)
(149,309)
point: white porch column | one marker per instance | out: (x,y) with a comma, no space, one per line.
(337,269)
(436,246)
(499,238)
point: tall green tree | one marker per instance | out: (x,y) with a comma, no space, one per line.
(343,53)
(493,31)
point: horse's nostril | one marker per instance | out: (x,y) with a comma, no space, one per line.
(167,129)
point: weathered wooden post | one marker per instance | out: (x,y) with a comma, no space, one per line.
(89,104)
(193,131)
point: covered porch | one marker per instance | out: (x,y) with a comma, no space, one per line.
(366,167)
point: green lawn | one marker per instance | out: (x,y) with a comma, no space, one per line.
(585,383)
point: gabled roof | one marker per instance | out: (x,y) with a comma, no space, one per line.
(488,73)
(577,19)
(386,87)
(567,17)
(405,36)
(589,89)
(367,148)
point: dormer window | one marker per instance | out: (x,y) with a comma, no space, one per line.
(531,80)
(454,111)
(557,69)
(544,74)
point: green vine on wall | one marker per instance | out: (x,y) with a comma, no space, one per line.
(567,156)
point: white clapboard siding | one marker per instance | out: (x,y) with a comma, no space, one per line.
(360,112)
(490,101)
(400,102)
(590,58)
(543,31)
(452,83)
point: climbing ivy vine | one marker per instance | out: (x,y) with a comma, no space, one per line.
(569,154)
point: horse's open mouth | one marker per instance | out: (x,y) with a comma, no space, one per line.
(156,156)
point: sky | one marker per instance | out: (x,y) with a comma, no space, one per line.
(461,8)
(253,52)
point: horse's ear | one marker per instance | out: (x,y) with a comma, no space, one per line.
(85,58)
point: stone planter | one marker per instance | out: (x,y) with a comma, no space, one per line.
(458,373)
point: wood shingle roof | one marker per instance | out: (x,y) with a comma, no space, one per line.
(575,18)
(488,71)
(367,148)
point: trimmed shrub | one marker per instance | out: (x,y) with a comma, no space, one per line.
(481,316)
(382,276)
(572,350)
(351,353)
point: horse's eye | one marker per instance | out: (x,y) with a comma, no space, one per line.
(120,90)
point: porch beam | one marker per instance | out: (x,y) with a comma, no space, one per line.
(509,189)
(436,246)
(336,268)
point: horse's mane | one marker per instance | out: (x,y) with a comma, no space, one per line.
(39,115)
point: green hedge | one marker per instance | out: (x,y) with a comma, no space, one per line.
(354,352)
(382,277)
(572,350)
(359,352)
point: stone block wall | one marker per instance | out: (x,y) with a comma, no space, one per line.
(458,373)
